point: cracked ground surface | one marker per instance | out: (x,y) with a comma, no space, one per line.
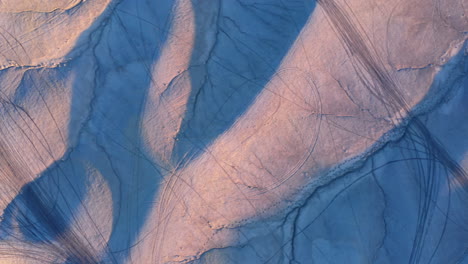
(243,131)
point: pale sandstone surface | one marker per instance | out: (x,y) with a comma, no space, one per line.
(178,131)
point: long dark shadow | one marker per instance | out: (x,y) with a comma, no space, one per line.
(105,133)
(238,47)
(405,200)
